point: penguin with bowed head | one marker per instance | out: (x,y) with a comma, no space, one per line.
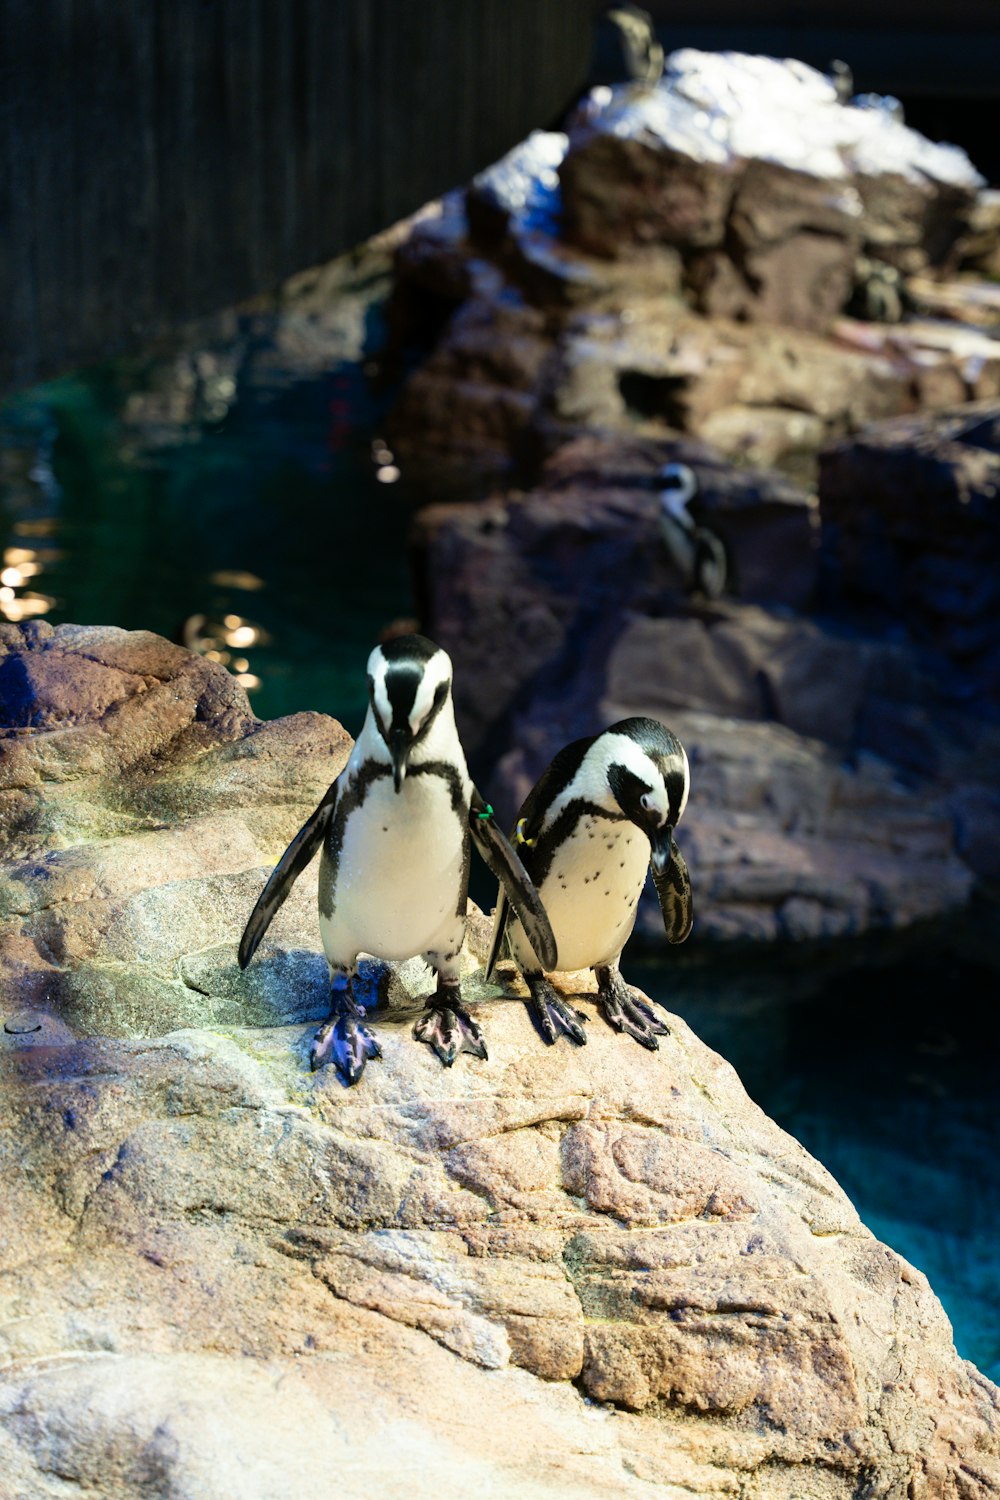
(396,829)
(598,819)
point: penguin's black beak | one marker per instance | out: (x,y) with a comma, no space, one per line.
(400,745)
(662,840)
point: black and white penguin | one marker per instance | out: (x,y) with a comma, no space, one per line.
(601,816)
(395,828)
(698,552)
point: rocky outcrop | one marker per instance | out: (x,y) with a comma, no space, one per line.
(521,363)
(767,184)
(552,1272)
(679,260)
(142,802)
(598,1271)
(911,531)
(552,573)
(843,777)
(791,840)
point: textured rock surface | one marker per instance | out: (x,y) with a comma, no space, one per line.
(521,361)
(790,840)
(675,262)
(563,1272)
(842,783)
(764,180)
(142,803)
(552,573)
(911,528)
(223,1275)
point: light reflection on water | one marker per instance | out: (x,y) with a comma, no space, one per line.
(236,496)
(226,497)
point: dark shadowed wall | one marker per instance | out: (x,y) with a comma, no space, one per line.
(160,158)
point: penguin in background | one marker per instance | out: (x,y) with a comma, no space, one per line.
(599,818)
(698,552)
(396,828)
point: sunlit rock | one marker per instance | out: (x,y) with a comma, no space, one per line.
(143,804)
(571,287)
(765,180)
(592,1271)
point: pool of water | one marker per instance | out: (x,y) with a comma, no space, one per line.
(232,490)
(882,1061)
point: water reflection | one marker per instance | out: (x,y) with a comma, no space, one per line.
(226,493)
(222,640)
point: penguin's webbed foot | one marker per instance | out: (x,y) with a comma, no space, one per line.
(625,1010)
(552,1015)
(449,1030)
(345,1041)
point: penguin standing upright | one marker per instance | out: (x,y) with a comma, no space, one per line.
(698,552)
(601,815)
(395,829)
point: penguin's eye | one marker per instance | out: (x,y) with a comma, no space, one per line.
(440,694)
(646,801)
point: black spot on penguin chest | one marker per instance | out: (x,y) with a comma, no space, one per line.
(582,846)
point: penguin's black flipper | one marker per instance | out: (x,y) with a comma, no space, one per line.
(500,919)
(673,887)
(516,884)
(284,875)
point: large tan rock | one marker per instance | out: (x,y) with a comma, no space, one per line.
(142,806)
(565,1272)
(224,1275)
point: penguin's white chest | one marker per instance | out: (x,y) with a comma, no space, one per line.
(591,891)
(398,885)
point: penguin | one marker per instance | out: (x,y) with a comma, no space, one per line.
(396,829)
(626,48)
(841,75)
(698,552)
(601,815)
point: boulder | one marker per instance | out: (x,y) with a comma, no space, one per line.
(846,782)
(768,184)
(550,1274)
(550,574)
(787,840)
(911,530)
(600,1271)
(143,805)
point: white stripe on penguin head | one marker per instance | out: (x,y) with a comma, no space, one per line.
(377,668)
(437,670)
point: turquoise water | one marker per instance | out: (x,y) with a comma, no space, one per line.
(235,479)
